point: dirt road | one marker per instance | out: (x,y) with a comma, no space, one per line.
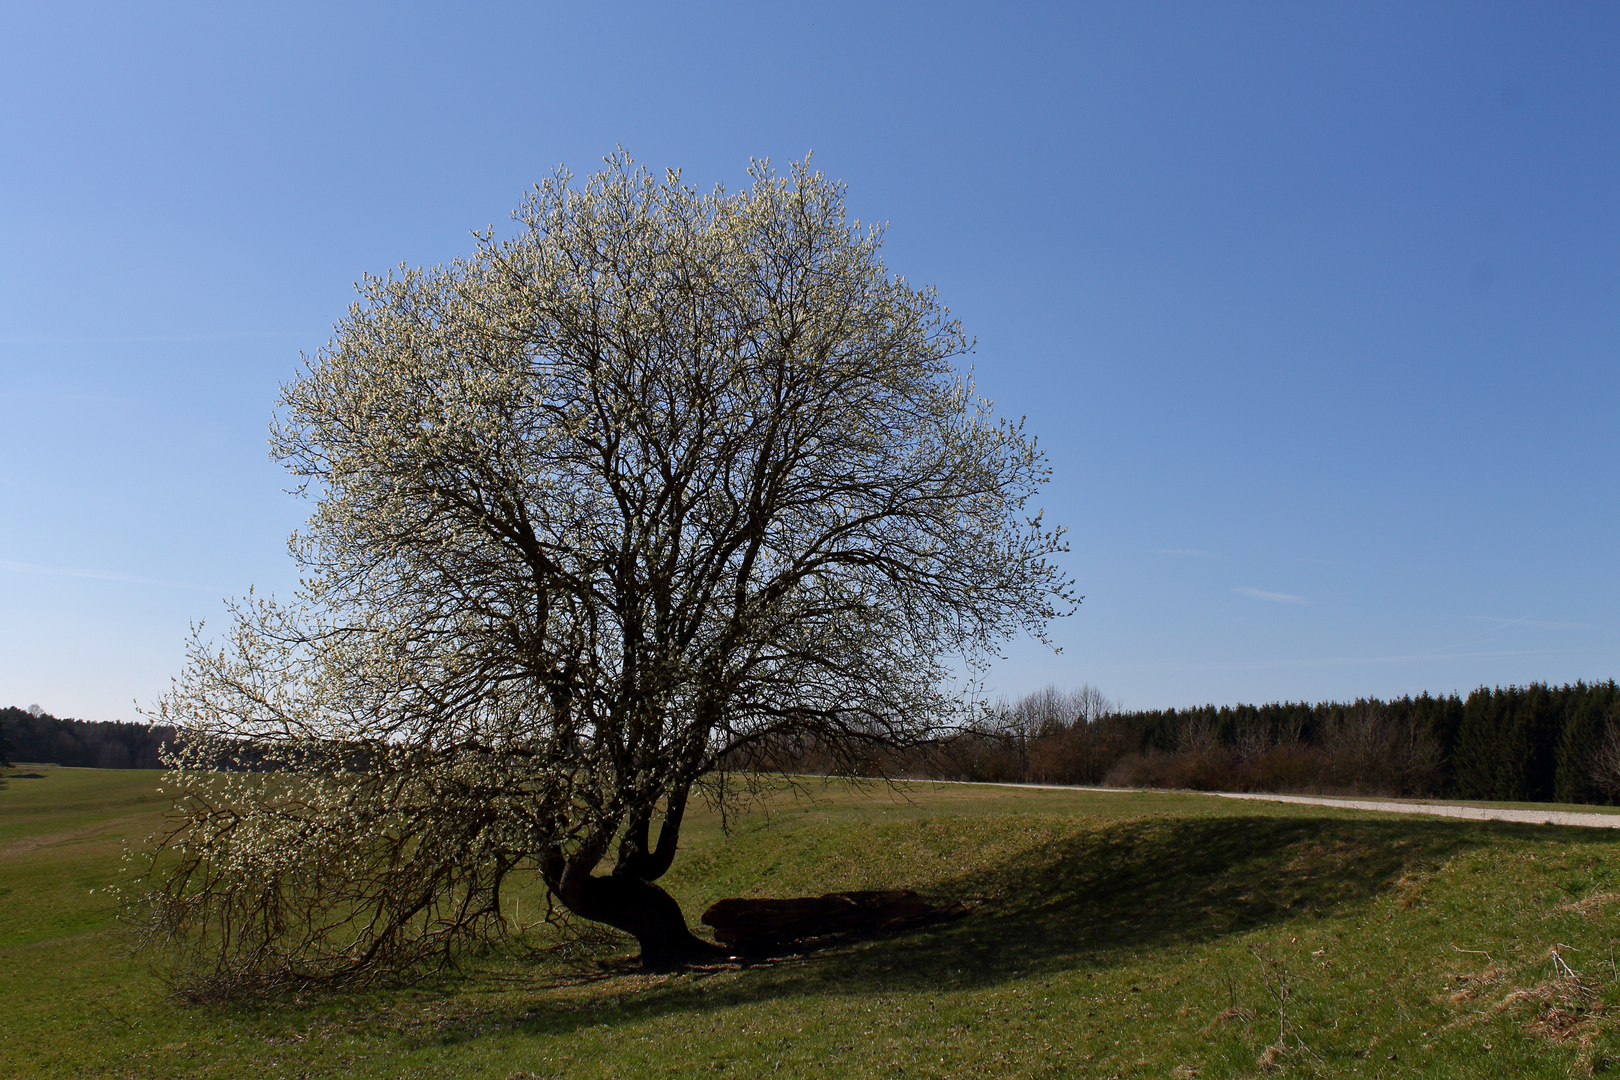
(1451,810)
(1472,813)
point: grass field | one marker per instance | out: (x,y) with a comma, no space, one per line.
(1137,934)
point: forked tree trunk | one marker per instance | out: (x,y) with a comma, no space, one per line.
(627,899)
(647,913)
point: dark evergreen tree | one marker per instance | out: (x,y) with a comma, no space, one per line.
(1588,712)
(83,744)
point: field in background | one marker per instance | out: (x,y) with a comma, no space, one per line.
(1135,934)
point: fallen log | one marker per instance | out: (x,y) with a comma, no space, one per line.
(752,924)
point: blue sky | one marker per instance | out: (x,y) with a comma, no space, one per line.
(1314,307)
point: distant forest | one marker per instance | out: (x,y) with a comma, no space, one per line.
(1535,743)
(41,738)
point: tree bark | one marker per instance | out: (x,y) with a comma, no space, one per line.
(627,899)
(649,864)
(644,911)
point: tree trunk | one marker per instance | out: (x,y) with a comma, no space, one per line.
(627,899)
(644,911)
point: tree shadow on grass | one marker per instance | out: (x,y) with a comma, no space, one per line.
(1089,901)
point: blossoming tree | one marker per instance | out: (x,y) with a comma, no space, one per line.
(666,482)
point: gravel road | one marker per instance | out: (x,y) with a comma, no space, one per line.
(1471,813)
(1451,810)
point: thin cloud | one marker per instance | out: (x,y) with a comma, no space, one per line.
(98,575)
(1271,597)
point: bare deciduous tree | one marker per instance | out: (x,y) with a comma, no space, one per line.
(665,477)
(1605,760)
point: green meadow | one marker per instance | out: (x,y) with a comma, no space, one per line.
(1133,935)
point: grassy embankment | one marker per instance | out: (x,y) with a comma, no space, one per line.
(1114,934)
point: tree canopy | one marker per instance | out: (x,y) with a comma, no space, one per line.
(663,483)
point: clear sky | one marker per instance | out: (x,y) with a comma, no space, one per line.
(1314,307)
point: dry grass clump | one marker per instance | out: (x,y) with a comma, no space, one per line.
(1568,1010)
(1567,1006)
(1466,985)
(1590,907)
(1568,1013)
(1407,890)
(1269,1059)
(1227,1016)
